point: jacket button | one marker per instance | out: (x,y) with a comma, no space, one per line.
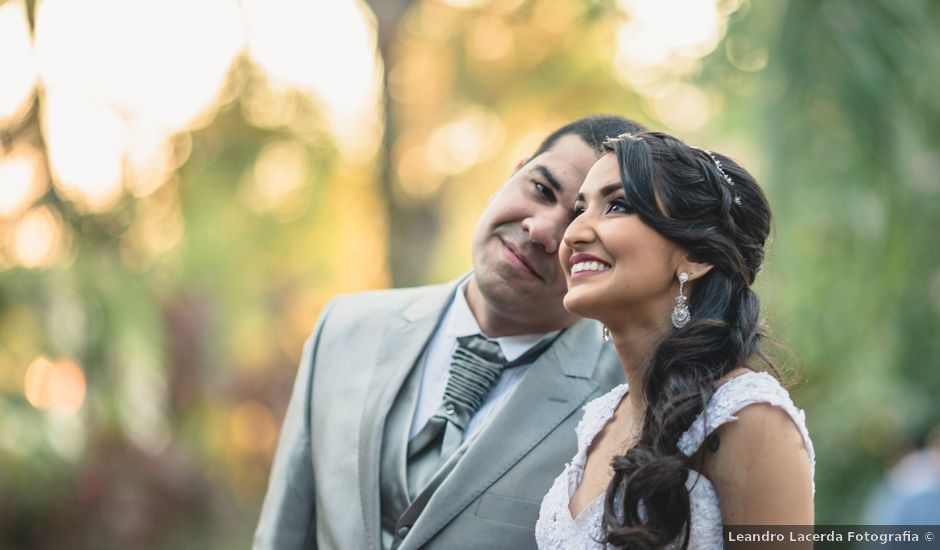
(402,531)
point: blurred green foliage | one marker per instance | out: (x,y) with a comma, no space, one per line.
(849,129)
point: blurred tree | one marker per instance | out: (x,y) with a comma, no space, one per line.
(186,310)
(849,118)
(411,226)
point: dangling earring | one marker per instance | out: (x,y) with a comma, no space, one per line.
(605,332)
(680,314)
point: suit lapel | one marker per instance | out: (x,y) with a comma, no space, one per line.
(556,385)
(402,343)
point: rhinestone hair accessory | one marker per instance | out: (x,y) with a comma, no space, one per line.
(727,178)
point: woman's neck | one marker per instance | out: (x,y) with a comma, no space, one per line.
(635,342)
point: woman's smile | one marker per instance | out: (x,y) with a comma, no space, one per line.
(583,265)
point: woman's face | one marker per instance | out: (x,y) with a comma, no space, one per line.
(617,268)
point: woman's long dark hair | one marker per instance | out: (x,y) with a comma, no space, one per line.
(680,192)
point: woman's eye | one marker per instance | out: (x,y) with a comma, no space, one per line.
(577,210)
(619,206)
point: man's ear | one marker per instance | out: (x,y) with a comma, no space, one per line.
(522,162)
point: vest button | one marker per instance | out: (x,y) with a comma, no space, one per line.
(402,531)
(450,409)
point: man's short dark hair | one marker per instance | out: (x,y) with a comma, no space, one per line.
(593,130)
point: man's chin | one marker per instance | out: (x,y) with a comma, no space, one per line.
(521,294)
(508,279)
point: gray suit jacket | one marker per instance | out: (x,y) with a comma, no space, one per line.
(324,486)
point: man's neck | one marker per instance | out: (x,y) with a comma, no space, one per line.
(496,324)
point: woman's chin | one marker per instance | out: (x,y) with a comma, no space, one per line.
(580,305)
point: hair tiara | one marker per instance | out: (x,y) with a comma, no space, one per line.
(724,175)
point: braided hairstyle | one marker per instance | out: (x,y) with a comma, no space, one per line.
(680,192)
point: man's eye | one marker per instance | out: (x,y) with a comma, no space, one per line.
(619,206)
(544,190)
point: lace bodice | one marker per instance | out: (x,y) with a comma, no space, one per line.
(557,530)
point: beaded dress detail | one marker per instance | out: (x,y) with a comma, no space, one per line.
(557,530)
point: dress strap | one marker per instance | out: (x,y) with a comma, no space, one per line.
(596,415)
(739,392)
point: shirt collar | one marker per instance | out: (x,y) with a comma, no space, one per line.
(461,322)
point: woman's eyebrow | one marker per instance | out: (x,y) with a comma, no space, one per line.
(611,188)
(606,190)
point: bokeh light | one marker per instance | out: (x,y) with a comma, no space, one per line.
(174,58)
(420,79)
(465,4)
(280,172)
(158,228)
(686,107)
(472,137)
(296,43)
(22,180)
(253,427)
(85,143)
(17,66)
(660,46)
(56,385)
(489,39)
(659,30)
(152,159)
(39,238)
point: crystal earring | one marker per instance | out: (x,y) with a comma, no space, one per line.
(680,314)
(605,332)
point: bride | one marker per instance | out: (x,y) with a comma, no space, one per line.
(664,248)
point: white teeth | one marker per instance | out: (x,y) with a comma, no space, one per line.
(589,266)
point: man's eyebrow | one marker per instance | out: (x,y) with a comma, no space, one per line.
(549,176)
(608,189)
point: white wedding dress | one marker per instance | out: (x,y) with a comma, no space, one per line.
(557,530)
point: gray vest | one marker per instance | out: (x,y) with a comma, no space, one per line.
(395,494)
(397,489)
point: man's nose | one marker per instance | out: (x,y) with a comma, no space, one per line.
(545,231)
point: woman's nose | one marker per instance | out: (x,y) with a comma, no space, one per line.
(578,233)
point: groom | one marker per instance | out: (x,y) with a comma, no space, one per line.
(407,428)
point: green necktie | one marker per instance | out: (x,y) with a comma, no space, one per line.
(475,368)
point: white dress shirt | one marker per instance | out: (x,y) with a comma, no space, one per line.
(459,321)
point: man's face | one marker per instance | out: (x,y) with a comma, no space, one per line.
(515,245)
